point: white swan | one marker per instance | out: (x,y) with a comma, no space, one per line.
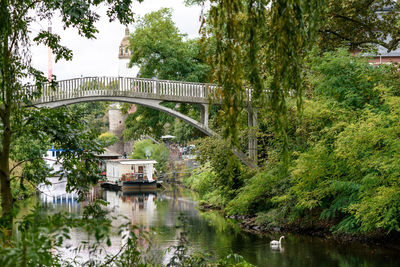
(276,243)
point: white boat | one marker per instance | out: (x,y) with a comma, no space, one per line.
(132,174)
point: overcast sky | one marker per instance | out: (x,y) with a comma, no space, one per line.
(99,57)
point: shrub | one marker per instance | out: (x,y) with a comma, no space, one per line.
(107,139)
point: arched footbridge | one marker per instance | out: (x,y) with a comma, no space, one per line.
(147,92)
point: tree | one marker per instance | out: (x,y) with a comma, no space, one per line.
(94,113)
(259,44)
(360,24)
(146,149)
(162,52)
(146,121)
(16,118)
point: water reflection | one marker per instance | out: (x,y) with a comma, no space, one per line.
(158,214)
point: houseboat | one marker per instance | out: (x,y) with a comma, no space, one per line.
(52,161)
(132,174)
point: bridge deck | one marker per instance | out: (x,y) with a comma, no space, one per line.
(175,91)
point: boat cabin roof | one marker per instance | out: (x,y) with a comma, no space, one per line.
(133,161)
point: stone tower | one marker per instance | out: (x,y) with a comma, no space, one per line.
(116,126)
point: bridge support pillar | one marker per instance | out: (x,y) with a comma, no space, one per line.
(252,122)
(204,114)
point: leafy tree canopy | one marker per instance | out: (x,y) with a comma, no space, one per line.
(162,52)
(16,18)
(360,24)
(147,149)
(262,44)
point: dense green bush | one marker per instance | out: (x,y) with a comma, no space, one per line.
(202,180)
(107,139)
(348,80)
(255,195)
(226,166)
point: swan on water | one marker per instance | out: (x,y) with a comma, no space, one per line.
(275,243)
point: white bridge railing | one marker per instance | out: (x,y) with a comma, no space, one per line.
(176,91)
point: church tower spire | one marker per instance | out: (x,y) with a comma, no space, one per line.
(124,55)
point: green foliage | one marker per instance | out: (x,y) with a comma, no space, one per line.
(93,113)
(350,171)
(248,35)
(147,149)
(184,132)
(343,78)
(162,52)
(17,118)
(345,166)
(221,175)
(359,24)
(107,139)
(202,180)
(226,166)
(255,195)
(271,218)
(147,121)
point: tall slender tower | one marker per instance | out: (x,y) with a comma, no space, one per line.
(124,55)
(49,56)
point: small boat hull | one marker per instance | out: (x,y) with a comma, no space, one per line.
(110,186)
(136,186)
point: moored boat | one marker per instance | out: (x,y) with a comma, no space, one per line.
(132,175)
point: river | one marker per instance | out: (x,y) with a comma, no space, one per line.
(210,232)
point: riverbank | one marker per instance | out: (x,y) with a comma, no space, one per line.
(312,228)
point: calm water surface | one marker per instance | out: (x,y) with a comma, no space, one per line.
(160,213)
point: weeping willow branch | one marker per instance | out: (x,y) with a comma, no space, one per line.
(261,44)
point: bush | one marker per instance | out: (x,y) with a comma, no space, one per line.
(344,167)
(107,139)
(202,180)
(356,177)
(226,166)
(345,78)
(256,195)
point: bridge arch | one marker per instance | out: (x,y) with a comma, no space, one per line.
(151,103)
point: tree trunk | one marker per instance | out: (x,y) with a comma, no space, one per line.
(6,83)
(5,186)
